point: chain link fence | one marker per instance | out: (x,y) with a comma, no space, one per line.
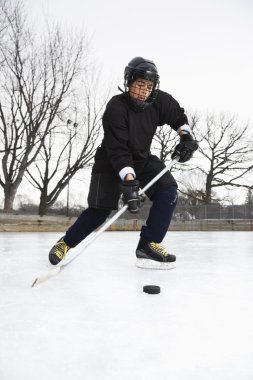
(188,212)
(213,217)
(213,211)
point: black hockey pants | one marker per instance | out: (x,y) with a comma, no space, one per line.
(160,215)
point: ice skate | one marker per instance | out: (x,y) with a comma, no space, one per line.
(153,256)
(58,252)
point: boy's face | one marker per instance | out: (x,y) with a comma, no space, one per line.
(141,89)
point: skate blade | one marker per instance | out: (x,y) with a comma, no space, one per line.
(152,264)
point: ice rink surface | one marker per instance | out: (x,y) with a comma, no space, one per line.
(93,322)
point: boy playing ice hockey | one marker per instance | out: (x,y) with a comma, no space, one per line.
(123,163)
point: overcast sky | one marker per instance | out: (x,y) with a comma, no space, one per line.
(203,49)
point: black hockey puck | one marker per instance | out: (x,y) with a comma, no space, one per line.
(151,289)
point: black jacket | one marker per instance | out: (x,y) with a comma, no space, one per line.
(128,133)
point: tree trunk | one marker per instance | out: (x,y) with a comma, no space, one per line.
(208,195)
(9,196)
(43,206)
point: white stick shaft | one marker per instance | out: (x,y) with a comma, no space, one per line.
(158,176)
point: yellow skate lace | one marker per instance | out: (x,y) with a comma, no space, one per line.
(159,248)
(61,249)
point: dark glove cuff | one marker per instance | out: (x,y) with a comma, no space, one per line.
(129,186)
(131,182)
(186,137)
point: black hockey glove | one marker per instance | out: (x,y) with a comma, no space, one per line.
(131,197)
(185,148)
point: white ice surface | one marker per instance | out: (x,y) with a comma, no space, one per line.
(93,322)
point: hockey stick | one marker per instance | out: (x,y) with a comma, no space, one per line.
(57,269)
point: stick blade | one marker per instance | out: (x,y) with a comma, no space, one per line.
(46,276)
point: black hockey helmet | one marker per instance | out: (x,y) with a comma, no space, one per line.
(140,67)
(143,68)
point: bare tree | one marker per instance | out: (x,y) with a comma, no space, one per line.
(36,79)
(224,158)
(56,167)
(226,152)
(3,23)
(249,196)
(192,187)
(163,142)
